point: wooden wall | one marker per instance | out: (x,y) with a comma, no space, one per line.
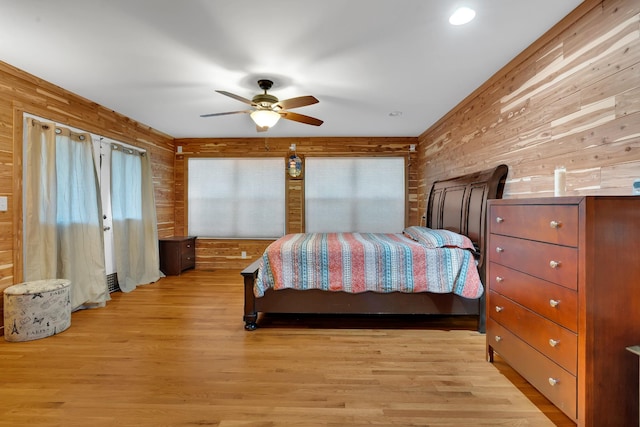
(22,92)
(225,253)
(571,99)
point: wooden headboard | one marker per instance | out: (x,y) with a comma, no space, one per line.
(460,204)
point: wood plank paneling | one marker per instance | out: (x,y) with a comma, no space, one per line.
(215,254)
(571,99)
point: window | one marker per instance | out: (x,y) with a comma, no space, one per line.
(236,197)
(126,183)
(359,194)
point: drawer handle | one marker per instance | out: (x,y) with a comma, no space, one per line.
(554,303)
(553,381)
(499,249)
(499,309)
(498,338)
(499,219)
(554,264)
(499,279)
(555,224)
(553,342)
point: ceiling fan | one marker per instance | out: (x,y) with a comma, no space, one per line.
(268,109)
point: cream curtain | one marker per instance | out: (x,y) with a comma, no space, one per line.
(63,215)
(135,230)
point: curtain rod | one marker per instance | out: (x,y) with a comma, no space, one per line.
(93,135)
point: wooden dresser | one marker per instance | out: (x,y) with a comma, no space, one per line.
(563,301)
(177,254)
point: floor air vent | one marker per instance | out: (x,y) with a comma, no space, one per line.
(112,282)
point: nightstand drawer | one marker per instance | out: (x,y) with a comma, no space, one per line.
(553,263)
(188,246)
(558,385)
(549,338)
(188,261)
(557,303)
(188,252)
(546,223)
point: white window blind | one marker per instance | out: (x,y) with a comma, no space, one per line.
(359,194)
(236,197)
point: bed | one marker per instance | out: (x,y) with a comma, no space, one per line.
(455,205)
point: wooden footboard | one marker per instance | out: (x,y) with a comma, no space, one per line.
(250,275)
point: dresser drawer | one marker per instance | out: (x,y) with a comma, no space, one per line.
(555,302)
(546,223)
(553,263)
(549,338)
(558,385)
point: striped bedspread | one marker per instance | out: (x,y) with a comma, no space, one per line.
(359,262)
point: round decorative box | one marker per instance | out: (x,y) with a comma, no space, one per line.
(36,309)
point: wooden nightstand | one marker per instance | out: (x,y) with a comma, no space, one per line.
(177,254)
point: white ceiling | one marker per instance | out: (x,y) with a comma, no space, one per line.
(159,61)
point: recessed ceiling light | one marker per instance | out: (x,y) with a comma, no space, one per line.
(462,15)
(395,113)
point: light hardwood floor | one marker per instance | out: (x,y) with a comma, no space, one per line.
(175,353)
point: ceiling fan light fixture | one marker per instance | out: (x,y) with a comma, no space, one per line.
(265,118)
(462,16)
(267,109)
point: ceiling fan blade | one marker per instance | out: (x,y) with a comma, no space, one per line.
(300,101)
(236,97)
(224,114)
(301,118)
